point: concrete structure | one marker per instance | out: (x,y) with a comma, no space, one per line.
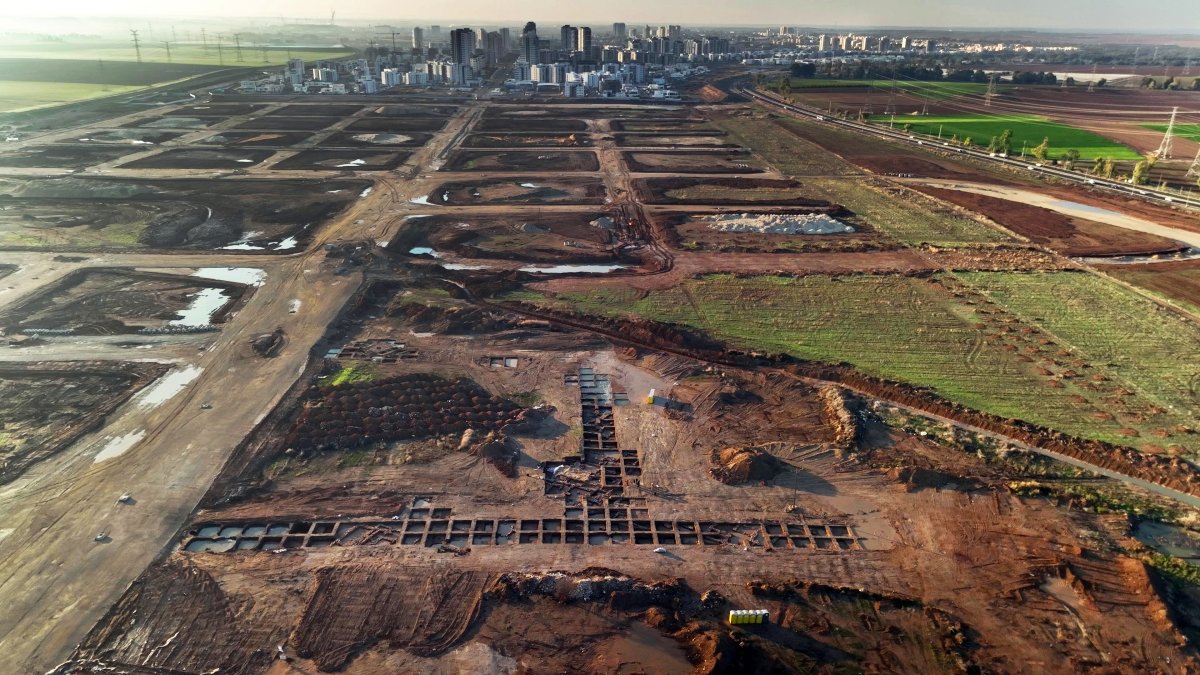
(418,38)
(620,34)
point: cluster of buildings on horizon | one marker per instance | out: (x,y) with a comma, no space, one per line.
(622,61)
(618,63)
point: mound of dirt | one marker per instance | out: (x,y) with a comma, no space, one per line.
(740,465)
(495,449)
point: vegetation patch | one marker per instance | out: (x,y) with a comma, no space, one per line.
(1027,130)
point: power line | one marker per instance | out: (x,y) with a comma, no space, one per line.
(1164,148)
(1194,170)
(137,47)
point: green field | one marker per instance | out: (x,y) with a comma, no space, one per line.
(1027,129)
(1070,351)
(934,91)
(16,96)
(154,52)
(1188,131)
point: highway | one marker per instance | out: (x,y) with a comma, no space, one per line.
(1095,182)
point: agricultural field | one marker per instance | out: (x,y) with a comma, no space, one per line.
(17,95)
(1026,129)
(1015,345)
(1179,282)
(788,154)
(912,220)
(935,91)
(156,54)
(1188,131)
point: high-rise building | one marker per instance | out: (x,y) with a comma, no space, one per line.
(885,43)
(435,32)
(674,32)
(494,47)
(619,33)
(418,38)
(529,43)
(583,40)
(567,38)
(462,45)
(506,39)
(822,43)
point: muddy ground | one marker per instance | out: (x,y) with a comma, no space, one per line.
(191,158)
(529,140)
(369,139)
(722,192)
(47,406)
(255,139)
(529,162)
(520,191)
(397,125)
(578,238)
(75,156)
(267,123)
(692,162)
(113,302)
(171,214)
(536,124)
(365,159)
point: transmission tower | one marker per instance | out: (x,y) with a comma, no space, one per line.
(137,47)
(1194,170)
(991,91)
(237,46)
(1092,82)
(167,45)
(1164,148)
(204,41)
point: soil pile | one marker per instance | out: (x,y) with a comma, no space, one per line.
(740,465)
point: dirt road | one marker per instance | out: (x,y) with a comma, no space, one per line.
(56,579)
(1066,207)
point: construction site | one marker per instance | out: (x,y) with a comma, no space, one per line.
(451,385)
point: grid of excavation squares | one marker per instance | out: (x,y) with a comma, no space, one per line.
(617,523)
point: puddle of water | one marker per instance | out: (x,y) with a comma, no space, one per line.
(118,446)
(460,266)
(530,185)
(167,387)
(424,200)
(445,196)
(238,275)
(210,531)
(572,269)
(332,192)
(1169,539)
(366,192)
(246,161)
(217,546)
(205,303)
(352,163)
(242,247)
(287,243)
(1076,206)
(423,250)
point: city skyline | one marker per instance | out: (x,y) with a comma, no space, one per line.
(1104,16)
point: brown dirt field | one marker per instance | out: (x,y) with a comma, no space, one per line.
(1065,234)
(691,162)
(691,232)
(1176,280)
(532,237)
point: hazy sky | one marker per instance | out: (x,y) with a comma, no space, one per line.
(1112,15)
